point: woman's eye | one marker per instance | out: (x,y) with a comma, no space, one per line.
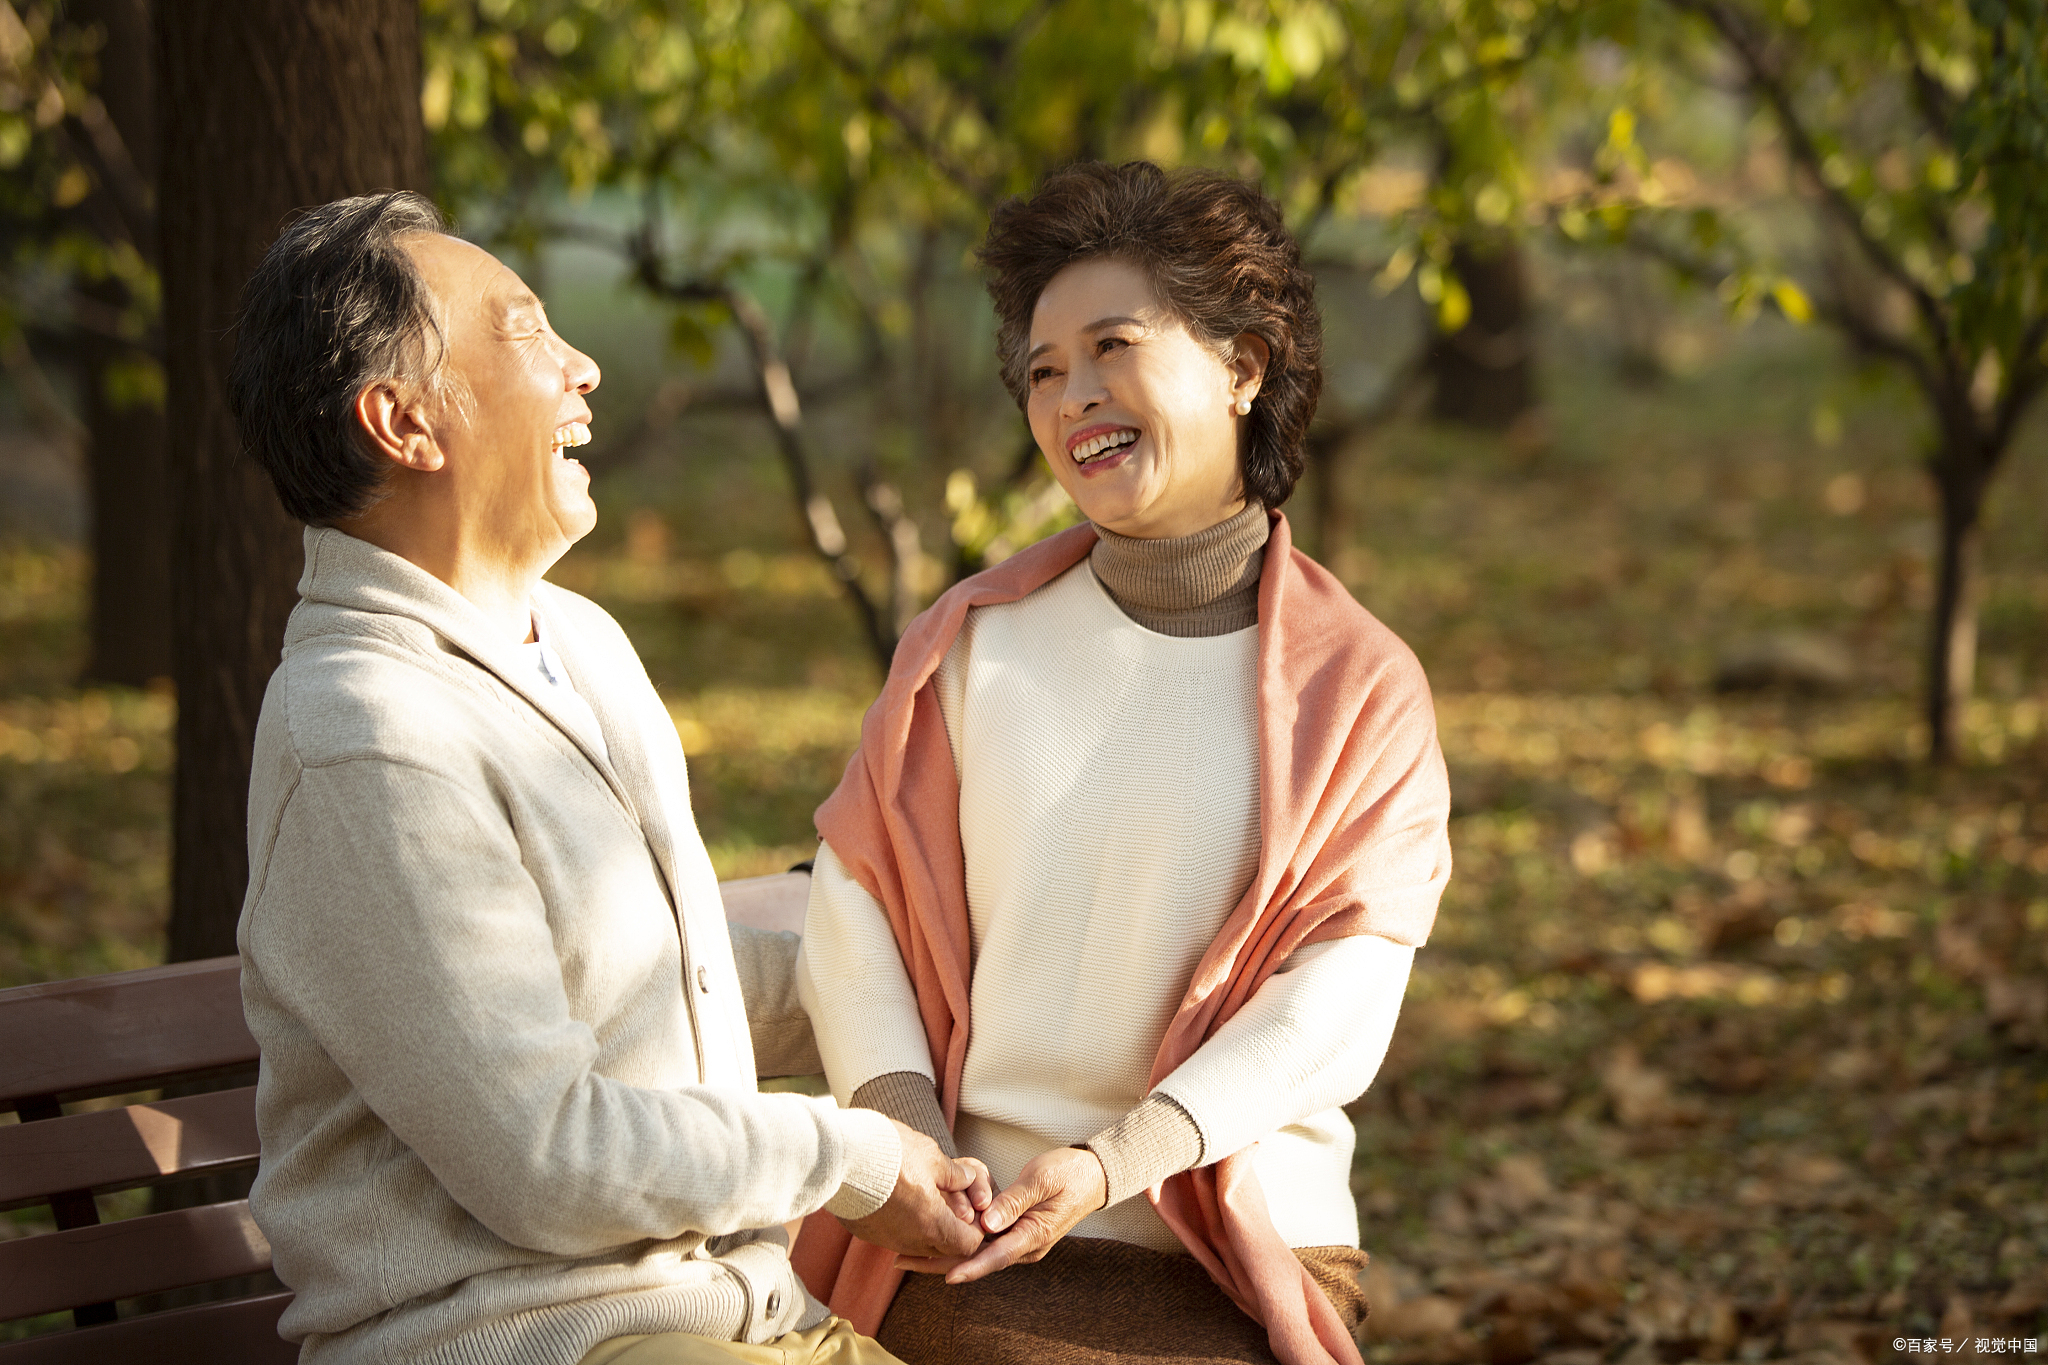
(1042,373)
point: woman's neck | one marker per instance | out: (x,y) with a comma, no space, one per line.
(1198,585)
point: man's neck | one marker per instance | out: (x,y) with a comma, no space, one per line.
(496,582)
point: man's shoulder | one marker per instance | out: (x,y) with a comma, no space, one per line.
(354,684)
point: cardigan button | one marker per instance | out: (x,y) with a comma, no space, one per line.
(704,980)
(774,1302)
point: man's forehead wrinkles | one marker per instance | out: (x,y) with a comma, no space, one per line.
(510,300)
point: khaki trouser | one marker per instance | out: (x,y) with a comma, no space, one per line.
(831,1342)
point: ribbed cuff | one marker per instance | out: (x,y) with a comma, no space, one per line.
(1155,1140)
(910,1098)
(874,1154)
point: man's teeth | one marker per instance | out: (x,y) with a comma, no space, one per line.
(1100,445)
(571,434)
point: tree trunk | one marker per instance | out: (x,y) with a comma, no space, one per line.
(131,540)
(130,634)
(1328,456)
(1952,646)
(1485,371)
(265,106)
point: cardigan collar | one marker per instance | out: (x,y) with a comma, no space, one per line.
(353,575)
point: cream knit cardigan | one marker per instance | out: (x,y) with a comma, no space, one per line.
(508,1102)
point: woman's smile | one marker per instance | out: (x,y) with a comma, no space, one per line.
(1102,447)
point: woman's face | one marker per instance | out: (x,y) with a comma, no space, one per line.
(1137,417)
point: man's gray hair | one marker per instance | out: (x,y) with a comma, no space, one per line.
(337,305)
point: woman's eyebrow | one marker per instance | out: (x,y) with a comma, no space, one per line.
(1099,325)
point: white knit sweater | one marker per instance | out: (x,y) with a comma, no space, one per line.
(1109,819)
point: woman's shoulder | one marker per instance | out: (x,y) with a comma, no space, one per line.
(932,632)
(1324,621)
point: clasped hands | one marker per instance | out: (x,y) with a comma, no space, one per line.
(942,1218)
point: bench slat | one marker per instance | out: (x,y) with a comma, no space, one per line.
(127,1031)
(772,902)
(240,1332)
(122,1260)
(119,1148)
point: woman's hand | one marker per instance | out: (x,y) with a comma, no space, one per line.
(1055,1191)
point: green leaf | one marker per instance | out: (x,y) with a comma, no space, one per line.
(1792,301)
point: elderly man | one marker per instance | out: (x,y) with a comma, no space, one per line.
(508,1099)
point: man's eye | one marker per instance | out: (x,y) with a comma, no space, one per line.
(1108,344)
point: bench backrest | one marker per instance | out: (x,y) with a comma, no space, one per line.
(139,1031)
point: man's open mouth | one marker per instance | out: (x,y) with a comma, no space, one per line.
(1102,446)
(571,434)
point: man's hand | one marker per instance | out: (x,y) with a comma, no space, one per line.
(933,1210)
(1055,1191)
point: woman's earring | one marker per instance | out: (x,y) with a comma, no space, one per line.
(1244,405)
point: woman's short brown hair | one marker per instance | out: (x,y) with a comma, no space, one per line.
(1220,256)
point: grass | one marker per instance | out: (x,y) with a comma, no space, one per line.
(1732,1040)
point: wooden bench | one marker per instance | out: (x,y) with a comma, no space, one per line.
(132,1032)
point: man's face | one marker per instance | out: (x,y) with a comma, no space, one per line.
(508,442)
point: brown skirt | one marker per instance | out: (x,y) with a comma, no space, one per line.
(1093,1301)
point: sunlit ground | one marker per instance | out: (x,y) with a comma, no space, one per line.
(1732,1040)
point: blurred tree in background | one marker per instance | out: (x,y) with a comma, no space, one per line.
(1913,133)
(78,234)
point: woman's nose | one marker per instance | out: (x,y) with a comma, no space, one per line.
(1083,392)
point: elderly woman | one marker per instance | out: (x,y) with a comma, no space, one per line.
(1121,891)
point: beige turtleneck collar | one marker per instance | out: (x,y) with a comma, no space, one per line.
(1198,585)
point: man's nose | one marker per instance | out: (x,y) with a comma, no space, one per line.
(581,370)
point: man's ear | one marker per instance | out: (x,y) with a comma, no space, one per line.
(1249,357)
(398,430)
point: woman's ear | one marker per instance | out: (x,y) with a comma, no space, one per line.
(397,430)
(1249,357)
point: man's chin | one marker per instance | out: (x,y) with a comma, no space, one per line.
(576,517)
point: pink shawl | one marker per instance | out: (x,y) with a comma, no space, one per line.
(1353,805)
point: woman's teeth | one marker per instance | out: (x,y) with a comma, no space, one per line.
(571,434)
(1096,447)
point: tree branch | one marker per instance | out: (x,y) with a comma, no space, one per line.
(118,173)
(1326,202)
(2029,376)
(1769,85)
(102,147)
(778,396)
(1935,105)
(1868,336)
(906,547)
(880,101)
(1835,310)
(39,396)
